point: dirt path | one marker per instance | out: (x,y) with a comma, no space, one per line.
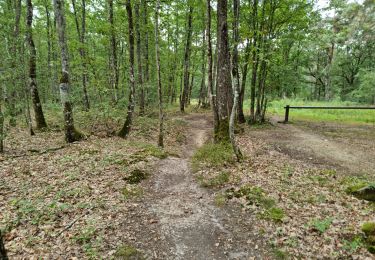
(308,142)
(189,225)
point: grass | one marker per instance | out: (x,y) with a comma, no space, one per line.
(324,115)
(321,225)
(257,196)
(213,155)
(216,181)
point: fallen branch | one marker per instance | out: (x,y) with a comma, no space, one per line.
(70,225)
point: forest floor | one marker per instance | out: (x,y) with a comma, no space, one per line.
(106,197)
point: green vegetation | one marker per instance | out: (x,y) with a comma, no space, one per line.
(324,115)
(321,225)
(216,181)
(274,213)
(368,228)
(352,184)
(213,155)
(136,176)
(127,252)
(257,196)
(132,191)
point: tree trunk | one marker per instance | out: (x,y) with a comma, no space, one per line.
(236,79)
(146,78)
(1,127)
(114,76)
(241,116)
(224,81)
(124,132)
(202,90)
(49,49)
(161,116)
(139,62)
(37,106)
(255,62)
(185,90)
(11,99)
(71,134)
(3,252)
(82,52)
(209,69)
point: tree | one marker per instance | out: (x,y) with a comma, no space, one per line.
(139,61)
(211,95)
(236,79)
(114,75)
(185,90)
(71,134)
(224,81)
(161,117)
(81,32)
(124,132)
(37,105)
(3,252)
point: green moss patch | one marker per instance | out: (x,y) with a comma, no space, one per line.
(213,155)
(127,252)
(136,176)
(132,191)
(216,181)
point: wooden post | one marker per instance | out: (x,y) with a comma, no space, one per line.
(286,114)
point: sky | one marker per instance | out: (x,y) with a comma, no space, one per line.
(325,3)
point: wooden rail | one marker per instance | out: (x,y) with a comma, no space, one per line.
(288,107)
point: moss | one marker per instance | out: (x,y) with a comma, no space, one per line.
(136,176)
(354,188)
(371,249)
(280,254)
(220,199)
(274,213)
(368,228)
(212,155)
(127,252)
(222,131)
(219,180)
(132,192)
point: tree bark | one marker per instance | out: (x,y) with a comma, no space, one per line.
(114,75)
(236,79)
(211,95)
(71,134)
(37,105)
(241,117)
(146,78)
(255,61)
(1,126)
(124,132)
(185,90)
(224,81)
(202,90)
(81,32)
(139,62)
(161,116)
(3,252)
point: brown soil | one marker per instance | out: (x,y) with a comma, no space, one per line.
(187,224)
(348,148)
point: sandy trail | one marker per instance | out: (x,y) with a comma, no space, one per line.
(310,144)
(189,223)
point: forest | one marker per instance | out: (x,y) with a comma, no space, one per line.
(147,129)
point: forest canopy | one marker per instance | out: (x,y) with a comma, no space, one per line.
(93,54)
